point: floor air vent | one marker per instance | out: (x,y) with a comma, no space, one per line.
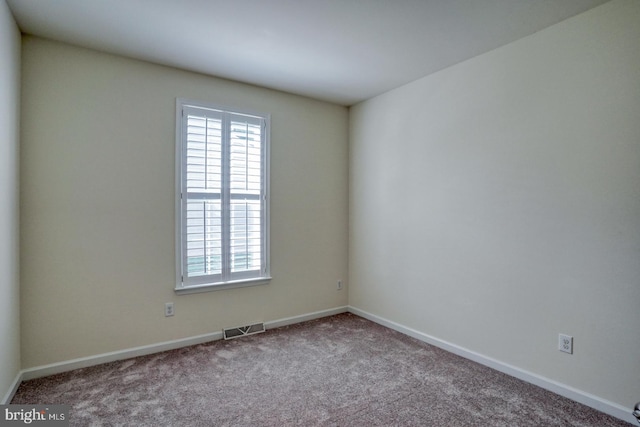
(231,333)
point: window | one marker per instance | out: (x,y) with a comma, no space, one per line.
(222,205)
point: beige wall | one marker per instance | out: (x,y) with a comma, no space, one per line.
(9,269)
(98,205)
(496,203)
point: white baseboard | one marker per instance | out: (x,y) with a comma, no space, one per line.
(84,362)
(12,390)
(569,392)
(305,317)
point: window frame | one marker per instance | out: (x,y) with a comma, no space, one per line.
(182,287)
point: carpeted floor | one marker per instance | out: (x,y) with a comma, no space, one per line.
(337,371)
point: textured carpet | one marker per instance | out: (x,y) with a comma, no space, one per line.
(337,371)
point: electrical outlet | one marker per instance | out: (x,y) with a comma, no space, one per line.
(339,286)
(565,343)
(168,309)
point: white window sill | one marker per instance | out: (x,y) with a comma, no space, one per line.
(209,287)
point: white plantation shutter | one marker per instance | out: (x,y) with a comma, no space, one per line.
(223,197)
(245,182)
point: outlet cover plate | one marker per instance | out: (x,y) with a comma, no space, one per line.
(168,309)
(565,343)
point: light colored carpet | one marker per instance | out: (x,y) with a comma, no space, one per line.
(337,371)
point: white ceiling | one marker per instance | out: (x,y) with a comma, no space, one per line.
(342,51)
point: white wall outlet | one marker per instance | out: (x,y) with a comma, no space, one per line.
(168,309)
(339,285)
(565,343)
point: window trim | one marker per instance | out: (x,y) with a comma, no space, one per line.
(265,278)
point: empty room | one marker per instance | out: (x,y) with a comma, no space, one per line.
(306,212)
